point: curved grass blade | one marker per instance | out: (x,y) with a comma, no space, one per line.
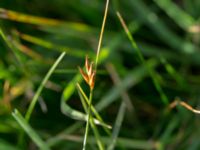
(72,113)
(39,90)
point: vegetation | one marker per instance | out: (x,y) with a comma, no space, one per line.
(99,75)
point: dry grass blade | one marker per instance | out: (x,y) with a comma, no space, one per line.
(183,104)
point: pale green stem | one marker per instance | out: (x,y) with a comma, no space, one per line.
(101,34)
(88,120)
(96,63)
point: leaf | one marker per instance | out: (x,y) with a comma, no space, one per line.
(28,129)
(40,88)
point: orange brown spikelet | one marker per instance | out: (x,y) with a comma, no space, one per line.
(92,80)
(84,75)
(89,75)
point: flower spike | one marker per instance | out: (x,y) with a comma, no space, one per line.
(89,75)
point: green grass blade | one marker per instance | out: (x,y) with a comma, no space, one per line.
(172,71)
(32,134)
(183,19)
(89,117)
(75,114)
(140,55)
(39,90)
(161,29)
(117,126)
(14,50)
(68,91)
(93,126)
(82,99)
(101,34)
(168,132)
(97,135)
(85,98)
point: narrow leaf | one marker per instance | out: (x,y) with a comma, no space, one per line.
(28,129)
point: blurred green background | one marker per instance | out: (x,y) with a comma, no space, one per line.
(34,33)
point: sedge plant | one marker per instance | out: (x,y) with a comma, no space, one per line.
(89,76)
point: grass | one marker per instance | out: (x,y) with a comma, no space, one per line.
(145,94)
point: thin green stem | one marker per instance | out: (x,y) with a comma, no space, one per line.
(95,69)
(86,99)
(88,120)
(97,135)
(101,34)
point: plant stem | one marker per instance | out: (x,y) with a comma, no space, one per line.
(88,120)
(101,34)
(96,64)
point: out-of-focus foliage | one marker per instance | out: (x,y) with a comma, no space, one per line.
(33,35)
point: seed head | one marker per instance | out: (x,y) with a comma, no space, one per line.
(89,74)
